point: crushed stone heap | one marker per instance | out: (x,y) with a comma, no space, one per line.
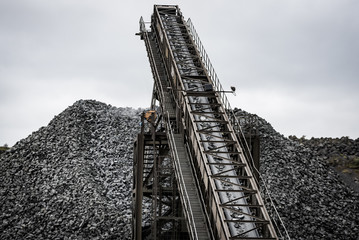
(309,195)
(73,180)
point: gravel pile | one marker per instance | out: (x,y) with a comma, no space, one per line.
(328,147)
(310,197)
(72,180)
(342,154)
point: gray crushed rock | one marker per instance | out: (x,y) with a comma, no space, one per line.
(310,197)
(73,179)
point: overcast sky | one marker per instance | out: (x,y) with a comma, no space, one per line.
(294,63)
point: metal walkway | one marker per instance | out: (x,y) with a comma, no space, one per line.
(214,192)
(189,193)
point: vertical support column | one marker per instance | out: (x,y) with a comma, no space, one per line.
(138,191)
(253,141)
(155,178)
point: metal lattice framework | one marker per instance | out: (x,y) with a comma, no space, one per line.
(195,133)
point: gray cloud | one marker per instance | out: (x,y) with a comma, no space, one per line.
(294,62)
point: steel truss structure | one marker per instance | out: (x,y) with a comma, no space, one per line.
(155,181)
(189,162)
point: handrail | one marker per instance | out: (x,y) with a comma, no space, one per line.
(152,63)
(219,89)
(223,98)
(186,200)
(212,74)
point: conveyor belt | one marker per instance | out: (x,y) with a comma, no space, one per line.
(219,196)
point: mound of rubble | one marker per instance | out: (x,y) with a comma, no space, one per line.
(328,147)
(342,154)
(310,197)
(72,180)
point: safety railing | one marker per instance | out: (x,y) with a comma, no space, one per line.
(150,52)
(231,115)
(213,75)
